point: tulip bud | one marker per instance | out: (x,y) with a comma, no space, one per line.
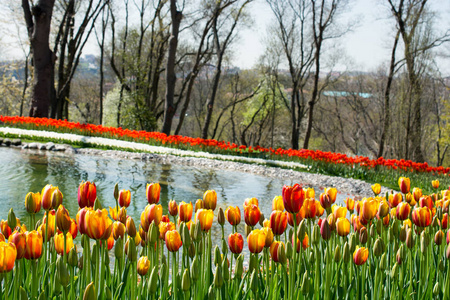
(198,231)
(441,265)
(439,212)
(305,284)
(22,294)
(185,237)
(225,270)
(12,221)
(254,263)
(301,230)
(435,222)
(261,220)
(436,289)
(379,226)
(424,241)
(346,253)
(312,258)
(410,240)
(218,279)
(118,248)
(211,293)
(185,281)
(373,231)
(400,256)
(131,227)
(315,235)
(191,251)
(72,259)
(153,280)
(447,253)
(42,296)
(395,228)
(61,272)
(352,243)
(217,256)
(378,248)
(402,234)
(391,235)
(239,269)
(254,282)
(337,254)
(194,270)
(439,237)
(97,204)
(383,262)
(291,234)
(289,250)
(116,191)
(89,292)
(153,233)
(394,271)
(132,253)
(363,236)
(57,198)
(221,217)
(325,230)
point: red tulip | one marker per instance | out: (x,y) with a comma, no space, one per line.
(124,198)
(153,192)
(360,255)
(293,197)
(236,243)
(233,215)
(186,210)
(252,214)
(87,193)
(421,217)
(278,222)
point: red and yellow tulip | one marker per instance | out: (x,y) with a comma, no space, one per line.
(205,217)
(87,193)
(124,198)
(421,216)
(293,197)
(33,240)
(210,199)
(233,215)
(256,241)
(8,254)
(404,184)
(235,243)
(59,243)
(278,222)
(186,210)
(173,240)
(252,214)
(360,255)
(153,191)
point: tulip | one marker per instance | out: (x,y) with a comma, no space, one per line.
(445,221)
(97,224)
(130,227)
(299,216)
(310,193)
(173,208)
(403,210)
(360,255)
(426,201)
(319,209)
(57,198)
(164,227)
(447,239)
(33,202)
(394,200)
(118,230)
(51,225)
(343,226)
(185,211)
(293,198)
(369,209)
(304,243)
(435,184)
(421,217)
(198,205)
(46,196)
(338,211)
(8,254)
(417,193)
(269,236)
(81,217)
(124,198)
(59,243)
(404,184)
(439,237)
(151,213)
(350,203)
(63,220)
(153,191)
(33,248)
(210,199)
(233,215)
(256,241)
(6,230)
(277,203)
(274,250)
(325,230)
(173,240)
(310,208)
(376,188)
(143,265)
(122,215)
(249,201)
(383,209)
(87,193)
(18,238)
(235,243)
(278,222)
(252,214)
(205,217)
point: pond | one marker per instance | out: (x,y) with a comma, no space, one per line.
(23,171)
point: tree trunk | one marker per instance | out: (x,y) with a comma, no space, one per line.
(169,108)
(38,21)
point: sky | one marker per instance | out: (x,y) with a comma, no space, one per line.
(367,46)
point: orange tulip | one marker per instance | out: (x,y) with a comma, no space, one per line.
(269,236)
(339,211)
(63,219)
(426,201)
(274,250)
(404,184)
(360,255)
(97,224)
(350,203)
(143,265)
(173,208)
(445,221)
(369,209)
(33,202)
(310,208)
(233,215)
(151,213)
(118,230)
(57,198)
(435,184)
(173,240)
(299,216)
(304,243)
(421,216)
(153,192)
(395,199)
(252,214)
(403,210)
(343,226)
(256,241)
(6,230)
(293,198)
(235,243)
(8,254)
(51,225)
(277,203)
(328,197)
(124,198)
(164,227)
(210,199)
(110,242)
(205,217)
(278,221)
(376,188)
(47,193)
(87,193)
(18,238)
(417,193)
(249,201)
(310,193)
(199,204)
(319,209)
(186,211)
(59,243)
(33,249)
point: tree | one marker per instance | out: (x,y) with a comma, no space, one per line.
(38,19)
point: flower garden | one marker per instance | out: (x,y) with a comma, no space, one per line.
(390,246)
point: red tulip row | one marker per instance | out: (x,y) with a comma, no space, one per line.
(214,145)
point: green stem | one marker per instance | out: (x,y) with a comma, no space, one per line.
(174,275)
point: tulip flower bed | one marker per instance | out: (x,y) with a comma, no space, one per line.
(330,163)
(391,247)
